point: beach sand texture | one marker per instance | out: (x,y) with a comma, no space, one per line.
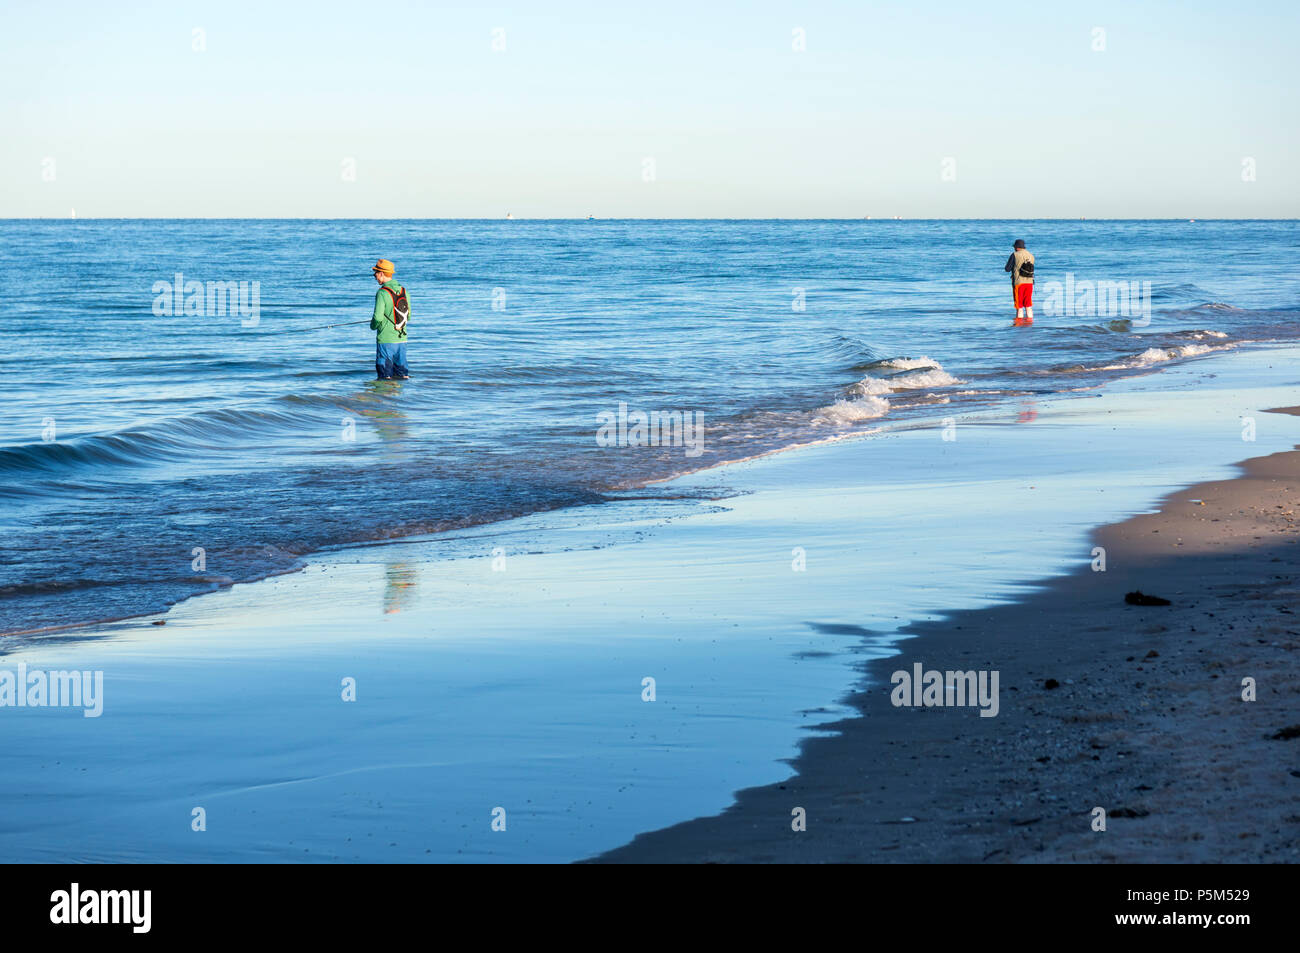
(1146,721)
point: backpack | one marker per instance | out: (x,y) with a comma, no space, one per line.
(401,310)
(1026,269)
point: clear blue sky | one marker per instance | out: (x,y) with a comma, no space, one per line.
(738,124)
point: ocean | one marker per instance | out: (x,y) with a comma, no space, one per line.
(167,444)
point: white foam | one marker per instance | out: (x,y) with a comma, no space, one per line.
(915,372)
(1158,355)
(850,411)
(870,387)
(1152,355)
(909,363)
(933,376)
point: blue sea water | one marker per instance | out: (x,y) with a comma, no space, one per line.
(146,456)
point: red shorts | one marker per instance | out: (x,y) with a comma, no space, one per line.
(1025,295)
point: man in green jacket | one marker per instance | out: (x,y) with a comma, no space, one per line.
(392,310)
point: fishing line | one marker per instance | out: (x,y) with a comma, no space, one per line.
(325,326)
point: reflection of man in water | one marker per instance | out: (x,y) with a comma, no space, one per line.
(400,581)
(388,420)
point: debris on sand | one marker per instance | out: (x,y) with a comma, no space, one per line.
(1139,598)
(1129,812)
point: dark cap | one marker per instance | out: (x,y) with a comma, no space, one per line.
(1020,243)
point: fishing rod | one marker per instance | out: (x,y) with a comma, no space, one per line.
(324,327)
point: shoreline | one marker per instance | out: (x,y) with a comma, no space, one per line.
(615,494)
(459,660)
(1146,718)
(33,605)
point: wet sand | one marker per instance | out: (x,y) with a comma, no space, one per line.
(755,596)
(1146,720)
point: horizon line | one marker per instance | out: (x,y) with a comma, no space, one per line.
(864,218)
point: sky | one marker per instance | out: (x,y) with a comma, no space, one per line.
(617,109)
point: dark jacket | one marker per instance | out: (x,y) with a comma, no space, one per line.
(1018,258)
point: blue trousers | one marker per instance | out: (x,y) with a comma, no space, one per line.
(390,361)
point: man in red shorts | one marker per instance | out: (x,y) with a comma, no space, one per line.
(1021,266)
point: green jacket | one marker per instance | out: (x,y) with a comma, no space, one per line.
(383,317)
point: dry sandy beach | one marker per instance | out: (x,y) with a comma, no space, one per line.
(1146,718)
